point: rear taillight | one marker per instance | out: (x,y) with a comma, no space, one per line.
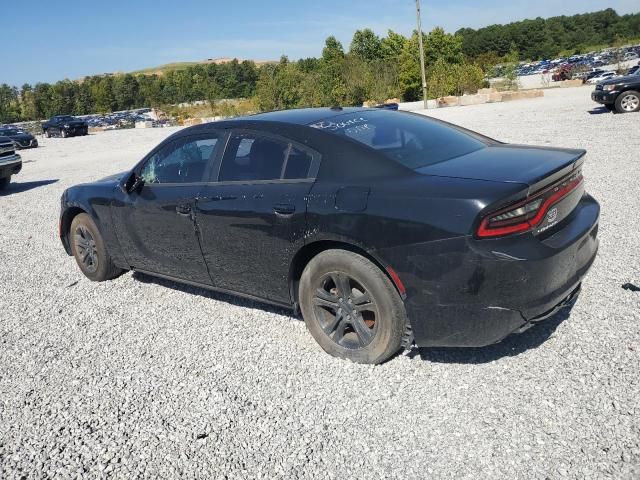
(527,214)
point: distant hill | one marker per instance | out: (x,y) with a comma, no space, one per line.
(162,69)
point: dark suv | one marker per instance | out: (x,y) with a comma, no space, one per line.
(65,126)
(10,161)
(621,94)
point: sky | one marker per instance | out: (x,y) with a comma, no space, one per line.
(48,41)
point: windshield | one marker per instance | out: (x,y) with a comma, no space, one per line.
(413,140)
(9,131)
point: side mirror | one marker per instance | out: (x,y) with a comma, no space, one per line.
(131,182)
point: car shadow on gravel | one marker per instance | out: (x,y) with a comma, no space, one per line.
(598,111)
(203,292)
(511,346)
(19,187)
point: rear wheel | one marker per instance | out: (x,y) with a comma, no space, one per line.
(4,182)
(351,308)
(89,250)
(628,102)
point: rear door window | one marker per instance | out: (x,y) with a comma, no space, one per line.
(298,163)
(256,157)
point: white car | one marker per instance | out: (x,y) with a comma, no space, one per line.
(601,77)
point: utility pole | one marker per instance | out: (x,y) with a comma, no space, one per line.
(424,73)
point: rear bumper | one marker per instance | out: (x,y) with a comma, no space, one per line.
(471,293)
(10,165)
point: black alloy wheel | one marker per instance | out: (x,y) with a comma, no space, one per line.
(345,310)
(86,248)
(89,250)
(351,307)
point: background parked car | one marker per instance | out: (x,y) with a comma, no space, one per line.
(65,126)
(621,94)
(21,138)
(601,77)
(10,161)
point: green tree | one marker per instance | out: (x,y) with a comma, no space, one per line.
(332,83)
(9,105)
(126,92)
(366,45)
(392,45)
(103,94)
(27,103)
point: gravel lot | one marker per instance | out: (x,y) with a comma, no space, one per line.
(139,377)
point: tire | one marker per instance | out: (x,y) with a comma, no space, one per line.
(89,250)
(351,308)
(64,133)
(47,134)
(628,102)
(4,182)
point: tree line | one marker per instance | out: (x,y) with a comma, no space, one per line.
(372,69)
(102,94)
(552,37)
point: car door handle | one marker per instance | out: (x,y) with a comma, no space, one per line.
(184,210)
(284,209)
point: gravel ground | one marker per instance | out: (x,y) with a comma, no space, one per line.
(139,377)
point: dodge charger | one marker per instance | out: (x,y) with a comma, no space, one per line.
(384,229)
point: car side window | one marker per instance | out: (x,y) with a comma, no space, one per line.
(298,163)
(253,157)
(182,161)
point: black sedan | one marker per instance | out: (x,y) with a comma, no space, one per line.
(382,227)
(21,139)
(64,126)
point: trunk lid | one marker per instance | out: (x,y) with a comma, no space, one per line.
(532,166)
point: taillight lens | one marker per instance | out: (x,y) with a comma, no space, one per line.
(527,214)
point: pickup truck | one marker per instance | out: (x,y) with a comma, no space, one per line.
(64,126)
(10,161)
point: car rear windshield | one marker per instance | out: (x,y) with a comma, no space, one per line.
(413,140)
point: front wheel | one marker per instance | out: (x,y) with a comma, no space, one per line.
(47,134)
(89,250)
(351,308)
(628,102)
(4,182)
(64,133)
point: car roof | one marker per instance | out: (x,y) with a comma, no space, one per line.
(302,116)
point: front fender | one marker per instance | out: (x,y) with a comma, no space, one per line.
(95,200)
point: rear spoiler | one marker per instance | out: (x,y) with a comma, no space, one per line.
(562,172)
